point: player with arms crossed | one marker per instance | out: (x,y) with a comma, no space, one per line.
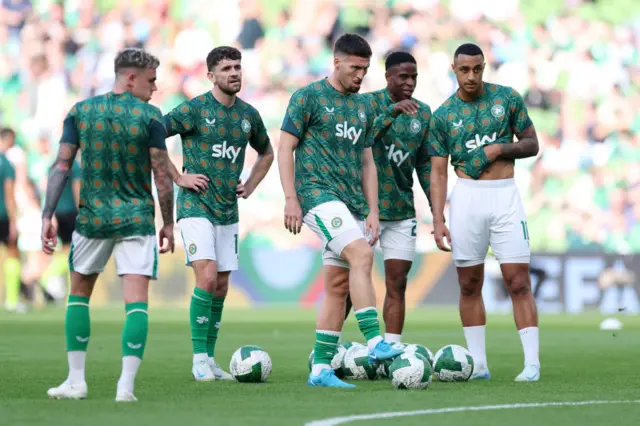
(121,139)
(328,188)
(400,133)
(475,126)
(215,128)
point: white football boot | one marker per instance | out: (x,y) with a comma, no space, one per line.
(202,372)
(531,373)
(218,372)
(68,390)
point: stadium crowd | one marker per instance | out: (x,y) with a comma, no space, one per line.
(580,77)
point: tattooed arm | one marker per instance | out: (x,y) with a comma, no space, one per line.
(160,165)
(527,145)
(58,177)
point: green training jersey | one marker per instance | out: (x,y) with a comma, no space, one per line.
(332,128)
(400,146)
(459,128)
(214,143)
(7,172)
(114,133)
(67,202)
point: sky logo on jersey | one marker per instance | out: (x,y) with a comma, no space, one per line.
(477,142)
(396,155)
(221,150)
(344,131)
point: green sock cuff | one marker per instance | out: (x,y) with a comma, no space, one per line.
(217,301)
(327,338)
(136,305)
(198,292)
(370,313)
(77,299)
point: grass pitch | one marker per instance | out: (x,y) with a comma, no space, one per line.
(579,363)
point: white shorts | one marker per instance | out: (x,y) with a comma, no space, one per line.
(205,241)
(487,213)
(398,239)
(136,255)
(337,227)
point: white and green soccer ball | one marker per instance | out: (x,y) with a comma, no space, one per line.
(355,364)
(410,371)
(250,364)
(383,366)
(336,362)
(453,363)
(419,349)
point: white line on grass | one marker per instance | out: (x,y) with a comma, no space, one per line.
(334,421)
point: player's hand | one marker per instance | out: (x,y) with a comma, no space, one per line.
(165,236)
(372,228)
(49,236)
(293,215)
(492,152)
(195,182)
(440,234)
(243,190)
(407,107)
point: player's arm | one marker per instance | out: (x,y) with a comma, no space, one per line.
(439,158)
(370,190)
(523,128)
(10,200)
(384,121)
(423,166)
(261,143)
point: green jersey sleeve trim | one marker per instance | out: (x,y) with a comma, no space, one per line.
(157,135)
(70,132)
(289,126)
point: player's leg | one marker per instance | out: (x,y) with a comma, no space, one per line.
(398,242)
(226,245)
(510,243)
(199,236)
(12,270)
(136,262)
(87,259)
(470,242)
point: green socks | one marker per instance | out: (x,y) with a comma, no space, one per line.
(136,328)
(326,347)
(77,325)
(368,323)
(12,281)
(200,313)
(217,304)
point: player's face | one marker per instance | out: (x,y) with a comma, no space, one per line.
(227,75)
(402,80)
(142,83)
(351,71)
(469,70)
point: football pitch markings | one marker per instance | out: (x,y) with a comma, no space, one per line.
(335,421)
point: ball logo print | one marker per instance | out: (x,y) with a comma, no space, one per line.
(336,222)
(497,111)
(415,126)
(246,126)
(362,116)
(192,249)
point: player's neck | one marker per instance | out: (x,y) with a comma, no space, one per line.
(223,98)
(470,97)
(119,89)
(396,97)
(335,83)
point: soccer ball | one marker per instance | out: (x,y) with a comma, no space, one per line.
(453,363)
(410,371)
(347,345)
(420,349)
(356,364)
(383,366)
(336,362)
(250,364)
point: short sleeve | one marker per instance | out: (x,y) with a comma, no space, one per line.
(180,120)
(157,134)
(259,137)
(437,138)
(296,119)
(519,116)
(69,129)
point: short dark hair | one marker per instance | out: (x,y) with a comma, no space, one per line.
(222,52)
(7,132)
(468,49)
(135,58)
(352,45)
(397,58)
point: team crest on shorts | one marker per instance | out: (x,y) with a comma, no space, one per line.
(415,126)
(246,126)
(497,111)
(192,249)
(336,222)
(362,116)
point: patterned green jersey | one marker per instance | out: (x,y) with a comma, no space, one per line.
(67,202)
(459,128)
(400,146)
(7,172)
(214,142)
(114,133)
(333,129)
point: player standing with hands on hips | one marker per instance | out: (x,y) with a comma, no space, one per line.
(476,126)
